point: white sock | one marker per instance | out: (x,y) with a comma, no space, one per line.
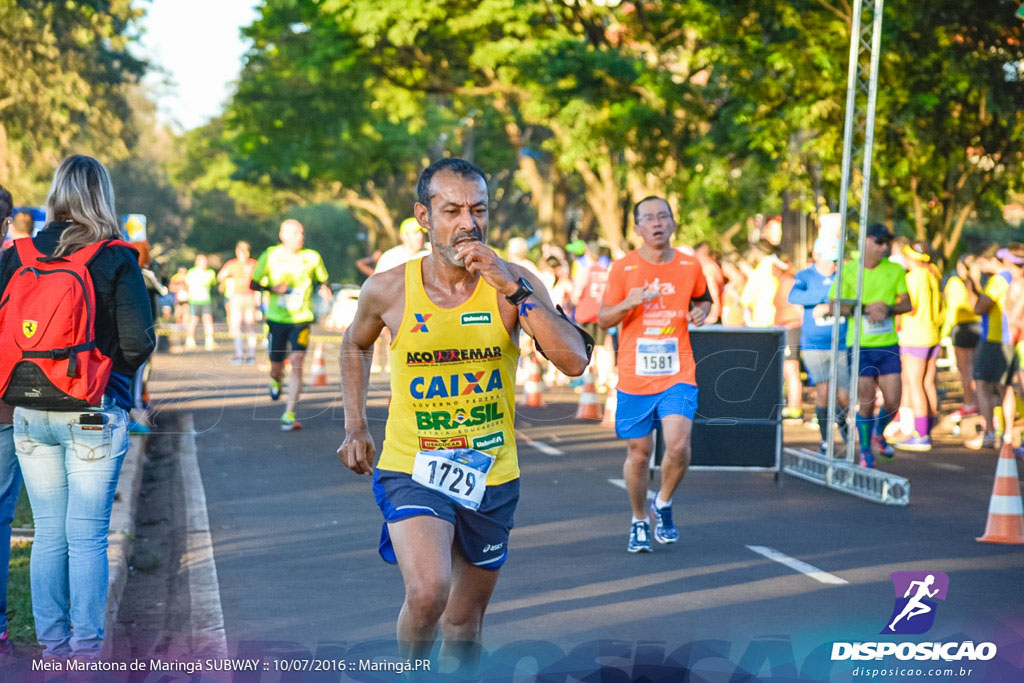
(639,519)
(659,503)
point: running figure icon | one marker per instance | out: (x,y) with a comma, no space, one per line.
(915,606)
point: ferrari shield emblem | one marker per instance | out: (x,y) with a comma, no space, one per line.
(29,327)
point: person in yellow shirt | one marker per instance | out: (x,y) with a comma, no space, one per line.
(963,327)
(765,303)
(447,481)
(919,344)
(995,363)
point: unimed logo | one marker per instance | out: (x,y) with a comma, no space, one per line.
(482,318)
(913,612)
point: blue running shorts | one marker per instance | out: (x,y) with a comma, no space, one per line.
(482,534)
(875,362)
(637,415)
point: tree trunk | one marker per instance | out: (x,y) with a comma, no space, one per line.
(950,240)
(372,212)
(604,197)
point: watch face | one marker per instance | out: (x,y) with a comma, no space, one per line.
(525,290)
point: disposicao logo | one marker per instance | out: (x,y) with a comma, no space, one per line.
(914,609)
(913,613)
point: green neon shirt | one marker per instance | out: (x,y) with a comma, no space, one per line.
(885,282)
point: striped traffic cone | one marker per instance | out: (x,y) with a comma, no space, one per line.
(319,366)
(1005,510)
(589,408)
(610,404)
(533,389)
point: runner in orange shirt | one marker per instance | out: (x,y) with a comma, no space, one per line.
(654,293)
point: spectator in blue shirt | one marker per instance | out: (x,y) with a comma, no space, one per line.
(811,290)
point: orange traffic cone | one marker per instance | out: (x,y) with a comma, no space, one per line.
(610,404)
(1005,510)
(533,390)
(589,408)
(319,367)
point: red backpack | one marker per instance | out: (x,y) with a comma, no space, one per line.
(48,331)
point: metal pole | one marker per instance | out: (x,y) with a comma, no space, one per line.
(852,111)
(844,195)
(869,139)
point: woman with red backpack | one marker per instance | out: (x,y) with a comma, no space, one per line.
(75,325)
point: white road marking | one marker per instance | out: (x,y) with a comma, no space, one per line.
(621,483)
(541,446)
(949,467)
(798,565)
(206,614)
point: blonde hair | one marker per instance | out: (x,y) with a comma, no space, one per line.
(82,194)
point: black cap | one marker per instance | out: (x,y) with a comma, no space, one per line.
(879,233)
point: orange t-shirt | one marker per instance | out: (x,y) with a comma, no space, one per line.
(654,338)
(240,273)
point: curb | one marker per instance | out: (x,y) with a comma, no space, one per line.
(121,538)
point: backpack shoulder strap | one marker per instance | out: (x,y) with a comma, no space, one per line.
(27,252)
(86,254)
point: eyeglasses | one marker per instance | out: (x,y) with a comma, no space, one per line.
(649,217)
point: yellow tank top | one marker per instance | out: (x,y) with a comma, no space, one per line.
(452,380)
(958,304)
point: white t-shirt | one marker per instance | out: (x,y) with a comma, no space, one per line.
(396,256)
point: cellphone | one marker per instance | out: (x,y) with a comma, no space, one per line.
(92,419)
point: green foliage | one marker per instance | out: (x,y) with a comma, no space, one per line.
(19,597)
(143,186)
(65,75)
(334,232)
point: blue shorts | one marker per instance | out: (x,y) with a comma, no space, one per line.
(874,362)
(637,415)
(482,534)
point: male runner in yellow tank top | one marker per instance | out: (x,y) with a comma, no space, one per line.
(447,480)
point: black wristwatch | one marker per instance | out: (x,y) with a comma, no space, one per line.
(521,294)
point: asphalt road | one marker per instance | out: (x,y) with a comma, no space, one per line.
(294,539)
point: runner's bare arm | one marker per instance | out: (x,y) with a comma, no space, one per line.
(610,316)
(358,451)
(563,345)
(902,305)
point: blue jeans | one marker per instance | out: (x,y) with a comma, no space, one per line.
(70,471)
(10,486)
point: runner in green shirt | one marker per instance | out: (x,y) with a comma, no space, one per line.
(200,280)
(291,274)
(884,297)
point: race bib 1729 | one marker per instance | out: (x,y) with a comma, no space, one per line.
(459,473)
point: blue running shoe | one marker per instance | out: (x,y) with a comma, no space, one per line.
(639,538)
(137,428)
(665,530)
(275,389)
(867,460)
